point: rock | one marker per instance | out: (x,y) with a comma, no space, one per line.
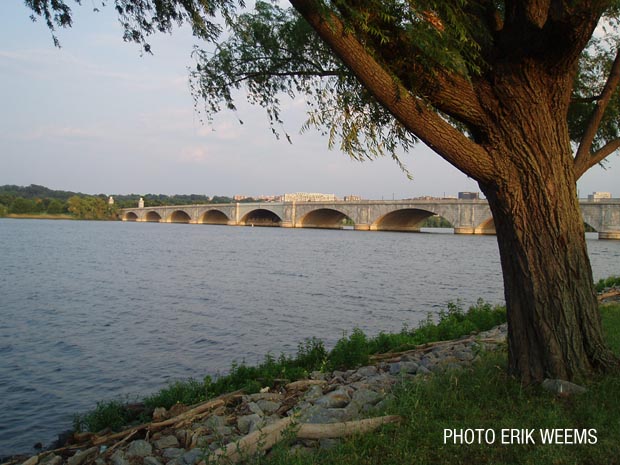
(365,372)
(160,414)
(246,422)
(51,460)
(409,367)
(366,397)
(118,458)
(465,355)
(32,460)
(563,388)
(268,407)
(335,399)
(192,457)
(254,408)
(319,375)
(172,453)
(139,448)
(313,393)
(80,457)
(318,414)
(422,370)
(151,461)
(166,442)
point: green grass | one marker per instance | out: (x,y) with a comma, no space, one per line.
(485,397)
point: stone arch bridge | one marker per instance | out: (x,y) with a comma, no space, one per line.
(466,216)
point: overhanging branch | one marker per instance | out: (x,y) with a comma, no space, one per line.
(599,156)
(410,111)
(584,159)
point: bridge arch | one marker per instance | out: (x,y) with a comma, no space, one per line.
(261,217)
(406,219)
(130,216)
(325,218)
(152,217)
(179,216)
(213,217)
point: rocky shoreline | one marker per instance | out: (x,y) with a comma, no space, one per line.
(330,404)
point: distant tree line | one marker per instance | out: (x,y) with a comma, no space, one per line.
(35,200)
(436,222)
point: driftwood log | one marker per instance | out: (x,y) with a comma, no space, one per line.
(267,437)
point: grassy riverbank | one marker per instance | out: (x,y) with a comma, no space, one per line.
(485,397)
(481,397)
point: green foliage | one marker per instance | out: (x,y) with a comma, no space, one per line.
(20,206)
(112,414)
(349,352)
(91,208)
(595,65)
(3,210)
(185,392)
(56,207)
(436,221)
(140,19)
(451,324)
(611,281)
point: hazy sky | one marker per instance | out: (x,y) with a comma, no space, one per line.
(97,117)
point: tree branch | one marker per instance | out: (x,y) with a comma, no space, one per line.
(410,111)
(598,157)
(584,159)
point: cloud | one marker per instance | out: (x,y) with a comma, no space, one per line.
(60,132)
(195,155)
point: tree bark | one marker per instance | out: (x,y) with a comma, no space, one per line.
(554,327)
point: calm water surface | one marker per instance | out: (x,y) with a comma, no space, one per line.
(99,310)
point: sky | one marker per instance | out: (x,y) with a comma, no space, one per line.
(98,116)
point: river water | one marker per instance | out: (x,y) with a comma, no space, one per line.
(93,311)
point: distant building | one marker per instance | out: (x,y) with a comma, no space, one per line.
(111,201)
(141,203)
(469,195)
(309,197)
(238,198)
(596,196)
(352,198)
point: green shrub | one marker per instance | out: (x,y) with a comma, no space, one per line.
(607,282)
(112,414)
(350,351)
(186,392)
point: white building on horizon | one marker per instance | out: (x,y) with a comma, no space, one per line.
(309,197)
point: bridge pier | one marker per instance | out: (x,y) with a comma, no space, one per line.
(361,227)
(609,235)
(476,231)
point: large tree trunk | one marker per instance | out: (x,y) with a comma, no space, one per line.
(554,328)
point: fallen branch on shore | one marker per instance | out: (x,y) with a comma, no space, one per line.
(266,438)
(424,348)
(612,294)
(198,411)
